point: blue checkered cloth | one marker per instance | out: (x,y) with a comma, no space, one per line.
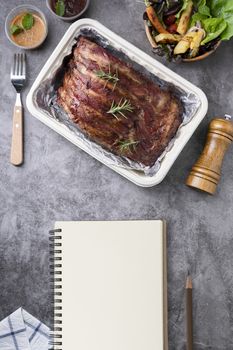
(22,331)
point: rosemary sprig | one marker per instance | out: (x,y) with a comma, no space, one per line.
(120,108)
(127,146)
(109,77)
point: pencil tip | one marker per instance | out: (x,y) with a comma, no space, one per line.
(188,281)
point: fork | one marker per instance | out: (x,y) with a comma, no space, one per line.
(18,78)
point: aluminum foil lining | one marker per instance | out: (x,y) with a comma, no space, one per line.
(45,98)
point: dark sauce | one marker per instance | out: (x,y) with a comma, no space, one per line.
(72,7)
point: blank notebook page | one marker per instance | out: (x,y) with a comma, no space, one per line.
(112,285)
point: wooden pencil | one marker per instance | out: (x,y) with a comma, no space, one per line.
(189,313)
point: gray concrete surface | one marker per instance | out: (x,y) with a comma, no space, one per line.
(60,182)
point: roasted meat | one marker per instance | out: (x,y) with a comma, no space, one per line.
(116,106)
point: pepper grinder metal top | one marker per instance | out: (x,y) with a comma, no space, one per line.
(205,173)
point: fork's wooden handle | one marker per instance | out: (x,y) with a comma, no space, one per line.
(17,137)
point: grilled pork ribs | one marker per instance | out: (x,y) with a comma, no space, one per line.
(116,106)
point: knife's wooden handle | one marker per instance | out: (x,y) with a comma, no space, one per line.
(17,137)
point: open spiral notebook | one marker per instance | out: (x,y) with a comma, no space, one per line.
(109,285)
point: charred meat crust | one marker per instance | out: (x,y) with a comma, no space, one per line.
(86,98)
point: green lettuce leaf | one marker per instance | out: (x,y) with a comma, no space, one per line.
(203,12)
(228,32)
(220,15)
(197,17)
(213,27)
(220,7)
(203,9)
(185,4)
(223,9)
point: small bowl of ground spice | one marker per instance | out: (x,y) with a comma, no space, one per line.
(68,10)
(26,27)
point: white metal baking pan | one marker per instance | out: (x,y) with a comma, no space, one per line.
(63,48)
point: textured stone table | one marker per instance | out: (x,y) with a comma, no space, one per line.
(60,182)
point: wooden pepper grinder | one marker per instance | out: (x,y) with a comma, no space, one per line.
(205,173)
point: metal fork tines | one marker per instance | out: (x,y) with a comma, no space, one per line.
(18,77)
(18,71)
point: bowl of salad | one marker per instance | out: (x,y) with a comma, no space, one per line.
(187,30)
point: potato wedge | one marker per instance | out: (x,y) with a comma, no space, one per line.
(185,18)
(184,44)
(196,42)
(155,20)
(167,38)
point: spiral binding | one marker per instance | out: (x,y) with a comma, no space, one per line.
(56,287)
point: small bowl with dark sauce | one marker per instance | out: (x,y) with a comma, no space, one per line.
(68,10)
